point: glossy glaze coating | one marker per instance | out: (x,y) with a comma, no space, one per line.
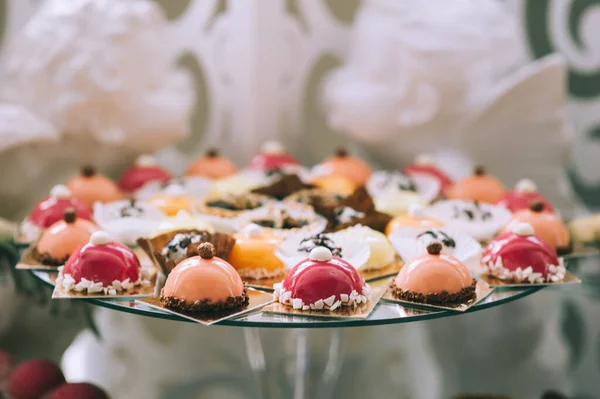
(434,273)
(63,237)
(524,193)
(479,187)
(51,210)
(521,251)
(313,280)
(144,171)
(256,251)
(103,263)
(90,187)
(342,164)
(198,279)
(211,165)
(546,225)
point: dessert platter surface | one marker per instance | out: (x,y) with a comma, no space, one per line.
(278,244)
(384,312)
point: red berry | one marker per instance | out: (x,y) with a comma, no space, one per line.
(81,390)
(7,363)
(32,379)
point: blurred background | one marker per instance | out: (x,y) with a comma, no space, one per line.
(390,79)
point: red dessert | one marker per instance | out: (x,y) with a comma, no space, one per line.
(52,209)
(425,165)
(522,196)
(144,171)
(101,265)
(322,282)
(212,165)
(521,257)
(273,156)
(34,378)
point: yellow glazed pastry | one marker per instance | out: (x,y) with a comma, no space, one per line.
(414,218)
(184,221)
(173,200)
(253,254)
(396,202)
(382,252)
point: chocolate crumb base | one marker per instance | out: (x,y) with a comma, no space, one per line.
(560,251)
(442,298)
(46,259)
(206,306)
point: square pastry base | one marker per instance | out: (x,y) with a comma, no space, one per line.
(141,291)
(359,312)
(28,262)
(482,290)
(258,299)
(570,278)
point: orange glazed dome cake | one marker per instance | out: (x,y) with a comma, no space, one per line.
(435,278)
(342,164)
(212,165)
(204,284)
(479,187)
(61,239)
(91,186)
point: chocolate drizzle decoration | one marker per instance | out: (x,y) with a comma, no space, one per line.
(283,186)
(319,240)
(439,298)
(476,212)
(206,306)
(440,236)
(281,221)
(233,202)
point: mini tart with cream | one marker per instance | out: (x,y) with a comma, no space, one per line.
(51,210)
(479,187)
(416,217)
(173,200)
(434,278)
(342,164)
(183,221)
(546,226)
(322,282)
(313,196)
(521,257)
(425,165)
(273,156)
(253,254)
(204,284)
(62,238)
(128,220)
(212,165)
(231,205)
(394,202)
(282,220)
(101,266)
(91,186)
(145,170)
(524,193)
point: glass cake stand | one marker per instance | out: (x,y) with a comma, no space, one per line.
(270,380)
